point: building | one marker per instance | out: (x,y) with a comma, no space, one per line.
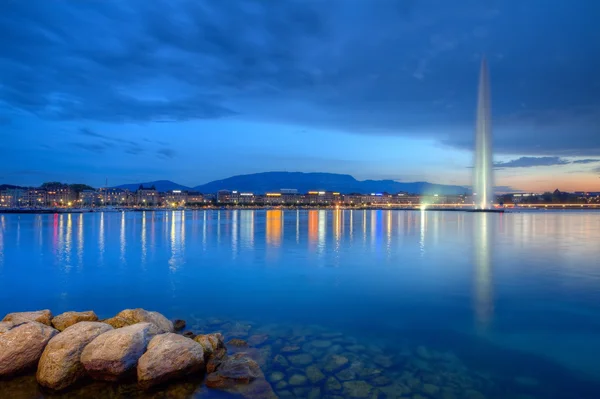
(60,195)
(273,199)
(225,196)
(89,198)
(114,197)
(34,197)
(247,198)
(194,198)
(146,196)
(176,198)
(12,197)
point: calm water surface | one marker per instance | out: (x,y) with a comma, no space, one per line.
(508,305)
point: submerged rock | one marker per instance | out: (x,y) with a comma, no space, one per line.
(41,316)
(239,343)
(335,362)
(258,339)
(169,356)
(332,385)
(276,376)
(210,343)
(281,362)
(179,324)
(215,360)
(357,389)
(242,375)
(112,355)
(346,375)
(22,346)
(67,319)
(303,359)
(130,317)
(314,374)
(297,379)
(290,348)
(60,366)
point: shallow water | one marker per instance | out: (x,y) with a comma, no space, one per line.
(475,305)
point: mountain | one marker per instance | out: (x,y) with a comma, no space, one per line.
(304,182)
(160,185)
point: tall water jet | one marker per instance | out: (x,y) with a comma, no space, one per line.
(483,184)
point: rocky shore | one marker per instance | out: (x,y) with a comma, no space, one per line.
(136,344)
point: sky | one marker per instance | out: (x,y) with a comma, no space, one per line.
(193,91)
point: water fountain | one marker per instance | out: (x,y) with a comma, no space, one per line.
(483,182)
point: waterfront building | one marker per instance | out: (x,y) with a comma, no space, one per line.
(146,196)
(34,197)
(194,198)
(224,196)
(12,197)
(89,198)
(273,199)
(175,198)
(247,198)
(60,195)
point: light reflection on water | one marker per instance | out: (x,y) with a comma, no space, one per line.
(511,279)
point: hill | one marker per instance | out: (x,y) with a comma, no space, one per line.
(160,185)
(304,182)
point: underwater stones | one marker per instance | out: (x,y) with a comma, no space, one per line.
(276,376)
(40,316)
(112,355)
(179,324)
(430,389)
(303,359)
(236,369)
(21,347)
(321,343)
(346,375)
(67,319)
(60,366)
(334,363)
(473,394)
(314,393)
(257,339)
(423,353)
(381,380)
(297,379)
(356,348)
(134,316)
(357,389)
(169,356)
(281,385)
(290,348)
(210,343)
(215,359)
(383,361)
(280,362)
(332,385)
(238,343)
(314,374)
(395,390)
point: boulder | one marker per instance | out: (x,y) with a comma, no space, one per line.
(215,360)
(21,347)
(6,326)
(60,366)
(67,319)
(41,316)
(179,324)
(242,375)
(210,343)
(130,317)
(169,356)
(114,354)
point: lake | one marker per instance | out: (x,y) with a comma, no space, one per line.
(437,304)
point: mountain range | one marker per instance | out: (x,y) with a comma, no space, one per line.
(304,182)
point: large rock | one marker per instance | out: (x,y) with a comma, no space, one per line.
(41,316)
(6,326)
(60,365)
(67,319)
(130,317)
(169,356)
(22,346)
(211,343)
(112,355)
(242,375)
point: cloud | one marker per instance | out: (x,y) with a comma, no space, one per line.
(166,153)
(528,162)
(372,68)
(99,143)
(584,161)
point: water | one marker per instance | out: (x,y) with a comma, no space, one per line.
(497,305)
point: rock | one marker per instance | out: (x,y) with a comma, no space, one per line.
(41,316)
(169,356)
(238,343)
(383,361)
(357,389)
(258,339)
(430,389)
(290,348)
(473,394)
(210,343)
(380,381)
(314,393)
(179,324)
(276,376)
(335,362)
(60,366)
(297,379)
(21,347)
(314,374)
(321,343)
(346,375)
(281,362)
(332,385)
(189,334)
(7,325)
(301,392)
(242,375)
(423,353)
(112,355)
(303,359)
(215,360)
(356,348)
(67,319)
(129,317)
(281,385)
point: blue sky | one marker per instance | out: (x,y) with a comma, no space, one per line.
(194,91)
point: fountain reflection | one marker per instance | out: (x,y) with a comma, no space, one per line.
(482,262)
(423,230)
(274,228)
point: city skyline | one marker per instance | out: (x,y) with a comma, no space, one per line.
(378,91)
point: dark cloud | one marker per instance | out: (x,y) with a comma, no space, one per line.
(166,153)
(528,162)
(584,161)
(99,143)
(383,67)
